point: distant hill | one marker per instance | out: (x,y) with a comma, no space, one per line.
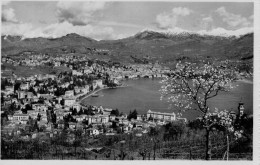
(146,46)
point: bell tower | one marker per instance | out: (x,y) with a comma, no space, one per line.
(240,108)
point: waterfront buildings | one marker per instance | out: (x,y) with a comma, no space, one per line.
(161,116)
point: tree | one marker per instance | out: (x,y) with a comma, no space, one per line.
(78,139)
(115,112)
(191,85)
(132,115)
(154,133)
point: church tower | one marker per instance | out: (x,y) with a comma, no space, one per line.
(240,109)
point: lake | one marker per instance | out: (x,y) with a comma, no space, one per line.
(143,94)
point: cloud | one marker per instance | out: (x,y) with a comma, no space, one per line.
(165,20)
(251,17)
(58,30)
(181,11)
(4,3)
(78,13)
(233,20)
(207,23)
(74,17)
(170,19)
(9,28)
(96,32)
(8,15)
(120,24)
(224,32)
(214,32)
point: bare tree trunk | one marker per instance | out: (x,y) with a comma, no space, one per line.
(227,147)
(190,154)
(207,145)
(154,148)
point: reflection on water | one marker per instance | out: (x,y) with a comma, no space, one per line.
(143,94)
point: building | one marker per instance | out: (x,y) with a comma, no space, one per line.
(97,119)
(69,93)
(241,109)
(9,90)
(74,72)
(69,101)
(24,86)
(76,106)
(93,131)
(21,94)
(39,107)
(94,85)
(20,117)
(161,116)
(98,83)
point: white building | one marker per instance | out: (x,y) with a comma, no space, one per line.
(9,90)
(99,83)
(93,131)
(69,93)
(69,101)
(161,116)
(20,117)
(74,72)
(98,119)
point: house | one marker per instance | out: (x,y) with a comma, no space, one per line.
(69,101)
(126,128)
(77,90)
(77,107)
(72,125)
(10,117)
(59,116)
(21,94)
(57,63)
(99,83)
(139,125)
(39,107)
(45,96)
(7,101)
(24,86)
(94,85)
(32,113)
(59,99)
(69,93)
(74,72)
(60,124)
(44,118)
(9,90)
(139,117)
(112,117)
(79,118)
(93,131)
(85,89)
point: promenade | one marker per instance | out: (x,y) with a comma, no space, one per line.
(95,91)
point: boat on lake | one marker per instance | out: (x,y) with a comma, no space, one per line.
(95,95)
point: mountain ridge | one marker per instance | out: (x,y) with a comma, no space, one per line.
(146,46)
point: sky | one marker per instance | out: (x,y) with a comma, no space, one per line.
(102,20)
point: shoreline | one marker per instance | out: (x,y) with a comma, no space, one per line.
(244,80)
(94,92)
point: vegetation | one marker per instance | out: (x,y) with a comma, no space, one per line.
(190,86)
(175,140)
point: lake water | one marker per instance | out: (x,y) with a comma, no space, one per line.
(143,94)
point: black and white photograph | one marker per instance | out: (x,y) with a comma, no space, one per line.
(128,81)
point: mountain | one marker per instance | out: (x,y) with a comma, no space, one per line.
(146,46)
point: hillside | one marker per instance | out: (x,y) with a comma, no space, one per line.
(146,46)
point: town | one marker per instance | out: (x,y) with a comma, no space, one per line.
(38,106)
(51,102)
